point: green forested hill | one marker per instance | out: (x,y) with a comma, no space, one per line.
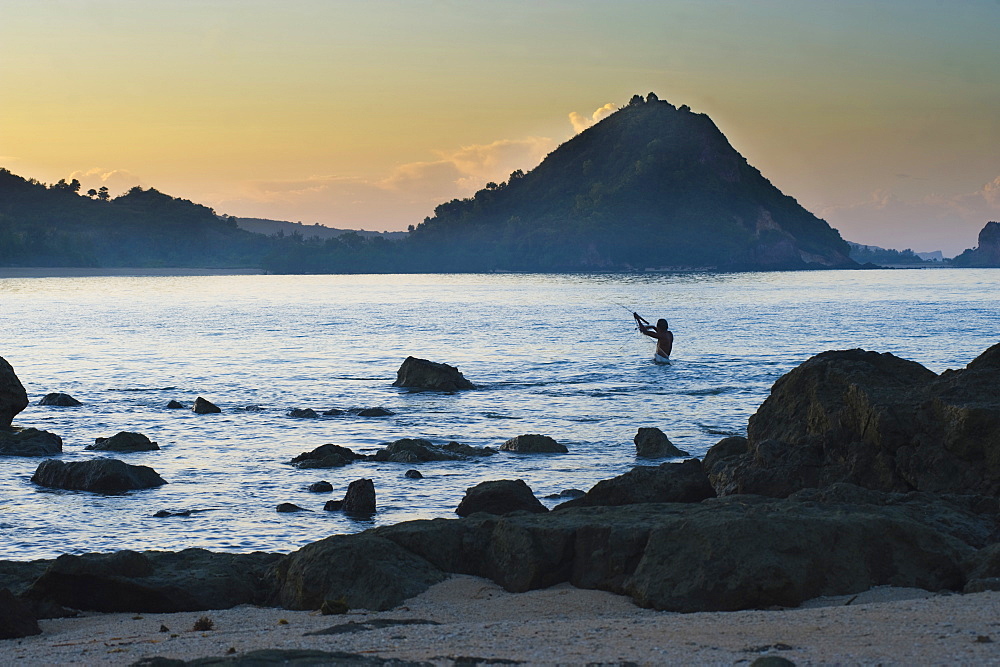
(57,226)
(649,186)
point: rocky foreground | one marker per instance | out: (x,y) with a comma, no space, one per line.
(860,470)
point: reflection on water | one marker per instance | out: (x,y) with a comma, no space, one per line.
(554,354)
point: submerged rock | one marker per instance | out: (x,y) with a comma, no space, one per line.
(325,456)
(413,474)
(59,400)
(427,375)
(415,450)
(13,397)
(28,442)
(653,443)
(98,475)
(303,413)
(373,412)
(501,496)
(175,405)
(320,487)
(124,441)
(533,444)
(205,407)
(289,507)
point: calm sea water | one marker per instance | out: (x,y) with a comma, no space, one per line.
(554,354)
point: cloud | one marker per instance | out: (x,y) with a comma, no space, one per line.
(930,222)
(116,181)
(581,122)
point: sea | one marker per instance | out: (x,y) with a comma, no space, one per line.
(551,354)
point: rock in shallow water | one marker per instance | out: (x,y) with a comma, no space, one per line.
(59,400)
(13,397)
(205,407)
(98,475)
(533,444)
(653,443)
(124,441)
(427,375)
(501,496)
(28,442)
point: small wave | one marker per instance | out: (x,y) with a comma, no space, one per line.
(144,389)
(709,391)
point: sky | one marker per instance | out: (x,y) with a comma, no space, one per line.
(880,116)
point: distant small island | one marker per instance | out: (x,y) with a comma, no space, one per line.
(650,187)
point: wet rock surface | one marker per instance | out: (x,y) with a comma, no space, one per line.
(59,400)
(533,443)
(124,441)
(424,375)
(499,497)
(28,442)
(98,475)
(13,397)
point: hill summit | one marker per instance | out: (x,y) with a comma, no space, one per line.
(650,186)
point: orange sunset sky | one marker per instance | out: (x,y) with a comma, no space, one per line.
(880,116)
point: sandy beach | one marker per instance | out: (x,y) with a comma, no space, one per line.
(474,618)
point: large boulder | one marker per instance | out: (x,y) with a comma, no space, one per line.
(987,253)
(124,441)
(501,496)
(738,552)
(652,443)
(13,397)
(874,420)
(98,475)
(532,443)
(325,456)
(667,483)
(427,375)
(28,442)
(16,618)
(59,400)
(156,581)
(367,571)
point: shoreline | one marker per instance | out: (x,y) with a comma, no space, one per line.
(103,272)
(469,616)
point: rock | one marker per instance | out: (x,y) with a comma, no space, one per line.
(566,493)
(156,581)
(499,497)
(289,507)
(28,442)
(252,408)
(175,405)
(163,514)
(303,413)
(59,400)
(13,397)
(873,420)
(667,483)
(723,554)
(124,441)
(374,412)
(987,253)
(325,456)
(334,412)
(16,618)
(367,571)
(426,375)
(413,474)
(98,475)
(533,444)
(360,497)
(653,443)
(333,505)
(415,450)
(204,407)
(467,450)
(983,569)
(321,487)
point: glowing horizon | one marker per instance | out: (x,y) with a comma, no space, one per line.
(878,117)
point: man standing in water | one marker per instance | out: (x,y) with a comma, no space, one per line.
(661,332)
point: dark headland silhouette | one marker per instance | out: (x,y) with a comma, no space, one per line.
(651,186)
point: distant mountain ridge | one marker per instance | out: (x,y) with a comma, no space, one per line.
(651,185)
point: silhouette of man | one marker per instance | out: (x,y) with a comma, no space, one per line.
(661,332)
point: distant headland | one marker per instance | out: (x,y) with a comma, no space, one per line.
(652,186)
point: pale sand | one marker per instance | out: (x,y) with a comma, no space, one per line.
(560,625)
